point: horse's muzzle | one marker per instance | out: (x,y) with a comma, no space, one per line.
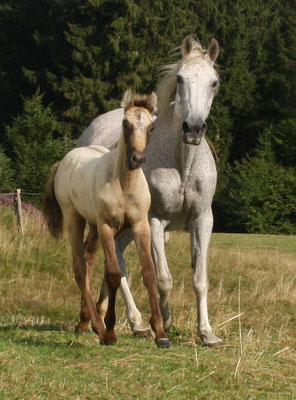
(193,135)
(136,160)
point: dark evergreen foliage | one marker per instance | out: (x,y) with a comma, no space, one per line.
(83,55)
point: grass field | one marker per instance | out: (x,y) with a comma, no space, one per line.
(252,304)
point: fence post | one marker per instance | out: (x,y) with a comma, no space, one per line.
(18,210)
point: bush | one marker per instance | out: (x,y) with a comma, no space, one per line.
(258,195)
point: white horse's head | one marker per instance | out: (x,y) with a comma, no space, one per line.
(192,84)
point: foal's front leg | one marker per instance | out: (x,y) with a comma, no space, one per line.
(113,278)
(143,241)
(138,327)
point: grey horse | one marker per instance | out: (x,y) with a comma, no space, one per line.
(181,174)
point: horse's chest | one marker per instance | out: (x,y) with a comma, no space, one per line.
(120,210)
(170,195)
(173,198)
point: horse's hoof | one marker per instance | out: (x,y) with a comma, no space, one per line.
(81,328)
(211,340)
(215,344)
(108,340)
(142,333)
(163,343)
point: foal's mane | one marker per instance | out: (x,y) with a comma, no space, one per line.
(141,101)
(166,90)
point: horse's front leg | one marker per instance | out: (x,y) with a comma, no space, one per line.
(143,241)
(200,234)
(164,277)
(112,277)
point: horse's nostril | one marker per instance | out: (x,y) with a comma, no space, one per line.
(204,128)
(138,159)
(185,127)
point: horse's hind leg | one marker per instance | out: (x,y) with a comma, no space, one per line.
(91,246)
(113,277)
(143,241)
(75,226)
(164,278)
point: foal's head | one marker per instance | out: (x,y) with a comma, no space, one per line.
(137,126)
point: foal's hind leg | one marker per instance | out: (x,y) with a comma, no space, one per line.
(91,246)
(113,277)
(75,226)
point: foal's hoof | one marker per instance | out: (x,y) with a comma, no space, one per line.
(109,339)
(80,328)
(142,333)
(163,343)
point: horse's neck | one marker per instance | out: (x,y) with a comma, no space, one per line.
(184,155)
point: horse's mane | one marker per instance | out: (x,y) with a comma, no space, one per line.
(140,100)
(166,90)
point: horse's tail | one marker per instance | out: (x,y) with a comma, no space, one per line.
(51,208)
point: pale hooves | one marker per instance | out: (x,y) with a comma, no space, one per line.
(163,343)
(142,333)
(211,340)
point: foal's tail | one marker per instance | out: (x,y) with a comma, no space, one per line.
(51,208)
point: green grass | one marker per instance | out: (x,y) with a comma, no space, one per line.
(252,299)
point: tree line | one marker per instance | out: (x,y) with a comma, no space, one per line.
(63,62)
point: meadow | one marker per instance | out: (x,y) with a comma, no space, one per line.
(252,305)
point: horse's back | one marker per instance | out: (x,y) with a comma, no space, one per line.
(104,130)
(75,179)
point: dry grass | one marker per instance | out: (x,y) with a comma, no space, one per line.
(252,301)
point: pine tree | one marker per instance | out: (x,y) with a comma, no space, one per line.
(6,173)
(34,148)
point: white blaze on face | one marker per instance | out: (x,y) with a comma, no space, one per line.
(196,87)
(140,120)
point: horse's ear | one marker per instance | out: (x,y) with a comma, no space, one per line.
(186,45)
(213,50)
(128,99)
(152,102)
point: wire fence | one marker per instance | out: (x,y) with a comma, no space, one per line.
(15,200)
(25,193)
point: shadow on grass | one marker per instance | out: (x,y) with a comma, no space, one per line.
(35,327)
(57,335)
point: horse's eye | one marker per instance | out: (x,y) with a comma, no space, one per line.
(179,79)
(127,126)
(151,127)
(215,83)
